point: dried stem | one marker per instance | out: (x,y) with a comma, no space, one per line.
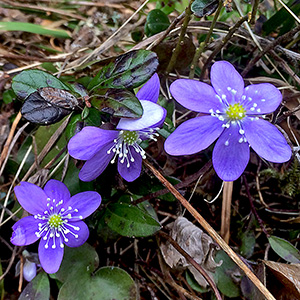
(203,45)
(188,14)
(222,44)
(193,263)
(215,236)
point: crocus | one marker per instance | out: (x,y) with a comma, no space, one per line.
(234,114)
(56,220)
(99,146)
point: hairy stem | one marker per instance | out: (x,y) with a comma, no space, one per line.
(203,45)
(188,14)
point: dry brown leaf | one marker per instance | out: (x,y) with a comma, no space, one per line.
(283,280)
(196,243)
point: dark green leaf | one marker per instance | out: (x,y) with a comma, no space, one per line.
(27,82)
(108,283)
(282,18)
(203,8)
(121,103)
(129,70)
(226,275)
(156,22)
(129,220)
(37,289)
(285,249)
(77,261)
(248,243)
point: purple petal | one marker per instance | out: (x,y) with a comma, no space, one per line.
(153,116)
(132,172)
(50,258)
(227,81)
(57,190)
(96,165)
(195,95)
(230,160)
(261,98)
(31,197)
(86,203)
(24,231)
(267,141)
(193,135)
(150,90)
(83,234)
(29,270)
(86,143)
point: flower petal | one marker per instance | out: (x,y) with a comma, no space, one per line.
(193,135)
(132,172)
(261,98)
(150,90)
(50,258)
(31,197)
(96,165)
(86,203)
(267,141)
(195,95)
(24,231)
(86,143)
(57,190)
(83,234)
(230,160)
(29,270)
(227,81)
(153,116)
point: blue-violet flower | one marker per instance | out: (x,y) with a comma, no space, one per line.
(56,219)
(232,113)
(99,146)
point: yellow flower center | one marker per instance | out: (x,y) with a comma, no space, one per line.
(236,111)
(55,221)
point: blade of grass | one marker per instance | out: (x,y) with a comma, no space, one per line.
(33,28)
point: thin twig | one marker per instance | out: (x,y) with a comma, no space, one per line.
(254,11)
(222,44)
(253,209)
(285,37)
(212,233)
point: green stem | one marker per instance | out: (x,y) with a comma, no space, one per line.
(203,45)
(188,14)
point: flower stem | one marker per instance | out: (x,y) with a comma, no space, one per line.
(222,44)
(188,14)
(215,236)
(203,45)
(226,210)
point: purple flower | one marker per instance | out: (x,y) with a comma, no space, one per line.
(99,146)
(56,219)
(234,114)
